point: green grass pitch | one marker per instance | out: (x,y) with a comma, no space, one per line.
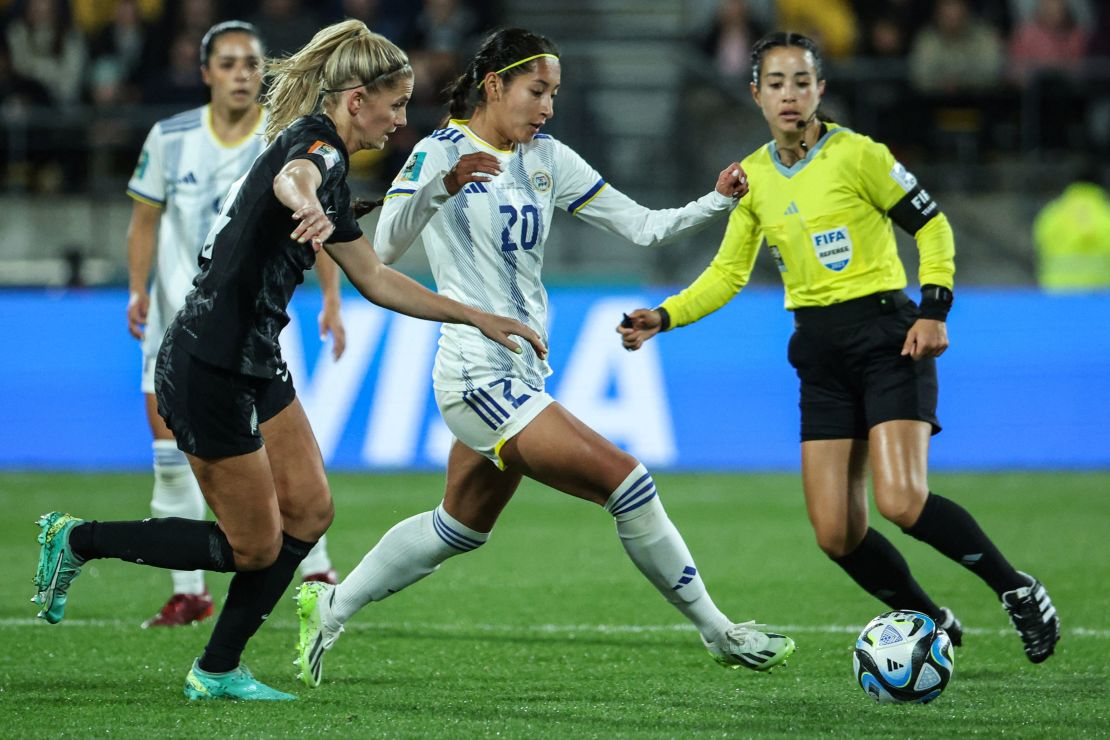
(549,631)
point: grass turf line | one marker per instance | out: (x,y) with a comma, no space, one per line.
(513,638)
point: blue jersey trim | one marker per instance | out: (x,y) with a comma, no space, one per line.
(401,191)
(587,197)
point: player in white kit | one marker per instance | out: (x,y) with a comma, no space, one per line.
(187,165)
(481,192)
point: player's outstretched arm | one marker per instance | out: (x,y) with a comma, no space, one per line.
(638,327)
(390,289)
(405,213)
(331,317)
(142,233)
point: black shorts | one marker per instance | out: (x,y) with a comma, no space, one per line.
(853,376)
(211,411)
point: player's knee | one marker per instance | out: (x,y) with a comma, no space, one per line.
(902,507)
(835,541)
(257,555)
(310,513)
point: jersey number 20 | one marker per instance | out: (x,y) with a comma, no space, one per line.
(529,217)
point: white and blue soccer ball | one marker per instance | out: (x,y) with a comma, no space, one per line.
(903,657)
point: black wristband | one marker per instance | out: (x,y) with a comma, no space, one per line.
(664,319)
(936,302)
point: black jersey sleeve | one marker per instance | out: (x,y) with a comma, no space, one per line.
(321,146)
(346,225)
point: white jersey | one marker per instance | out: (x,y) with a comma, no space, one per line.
(485,244)
(185,170)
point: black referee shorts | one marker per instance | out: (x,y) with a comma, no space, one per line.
(852,374)
(211,411)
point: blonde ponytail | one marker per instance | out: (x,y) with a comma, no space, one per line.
(340,57)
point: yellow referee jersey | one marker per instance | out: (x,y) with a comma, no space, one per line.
(827,223)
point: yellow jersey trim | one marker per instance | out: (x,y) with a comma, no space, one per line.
(398,195)
(238,142)
(144,199)
(466,130)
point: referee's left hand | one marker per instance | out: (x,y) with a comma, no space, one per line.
(926,338)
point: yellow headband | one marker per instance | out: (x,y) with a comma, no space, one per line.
(517,64)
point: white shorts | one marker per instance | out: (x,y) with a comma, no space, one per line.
(153,334)
(485,418)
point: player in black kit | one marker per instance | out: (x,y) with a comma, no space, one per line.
(221,384)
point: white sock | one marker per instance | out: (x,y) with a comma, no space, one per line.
(406,553)
(317,560)
(176,493)
(660,553)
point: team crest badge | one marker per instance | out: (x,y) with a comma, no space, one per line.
(541,181)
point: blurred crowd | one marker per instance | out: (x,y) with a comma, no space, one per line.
(944,68)
(111,52)
(105,58)
(951,78)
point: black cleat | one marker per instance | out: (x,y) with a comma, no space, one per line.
(947,621)
(1034,617)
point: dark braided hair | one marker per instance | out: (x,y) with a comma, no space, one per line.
(500,49)
(784,38)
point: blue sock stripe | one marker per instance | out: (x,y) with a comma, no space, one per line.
(474,407)
(451,537)
(631,490)
(633,505)
(690,572)
(494,403)
(171,456)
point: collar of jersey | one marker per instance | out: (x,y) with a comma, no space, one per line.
(238,142)
(462,124)
(800,165)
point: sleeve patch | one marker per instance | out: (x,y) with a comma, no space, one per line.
(903,177)
(327,152)
(411,171)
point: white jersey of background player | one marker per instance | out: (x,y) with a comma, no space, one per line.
(187,165)
(482,193)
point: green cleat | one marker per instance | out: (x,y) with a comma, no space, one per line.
(58,565)
(237,685)
(744,645)
(314,636)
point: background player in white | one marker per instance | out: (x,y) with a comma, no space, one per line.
(482,192)
(187,164)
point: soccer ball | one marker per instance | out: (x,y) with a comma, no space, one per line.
(903,657)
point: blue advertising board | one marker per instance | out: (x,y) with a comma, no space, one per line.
(1025,385)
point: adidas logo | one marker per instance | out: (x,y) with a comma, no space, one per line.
(892,666)
(187,179)
(792,210)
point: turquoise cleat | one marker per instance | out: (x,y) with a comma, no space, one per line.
(58,565)
(237,685)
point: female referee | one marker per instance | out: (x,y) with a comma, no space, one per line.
(823,199)
(482,192)
(221,384)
